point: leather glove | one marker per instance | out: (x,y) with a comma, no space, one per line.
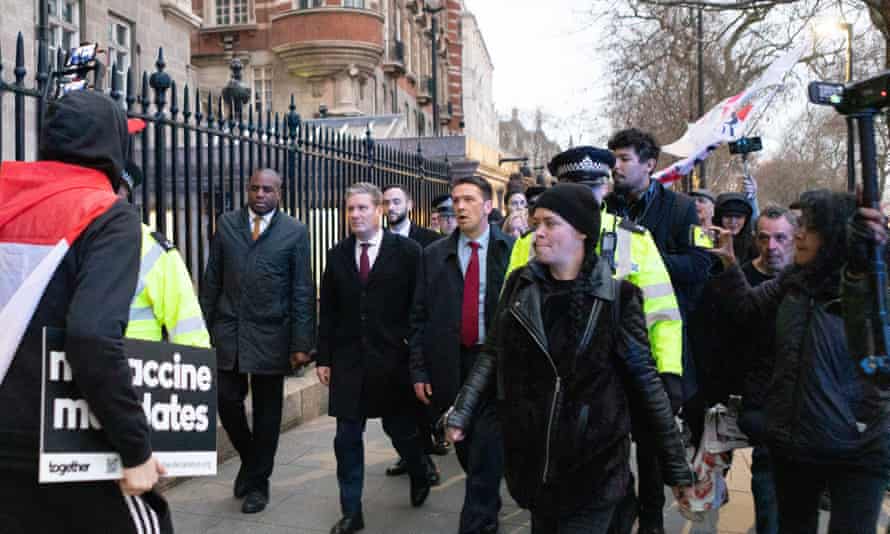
(861,238)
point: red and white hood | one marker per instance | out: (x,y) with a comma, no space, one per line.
(44,207)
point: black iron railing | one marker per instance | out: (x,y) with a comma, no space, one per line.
(198,151)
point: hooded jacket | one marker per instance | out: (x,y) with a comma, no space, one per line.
(87,129)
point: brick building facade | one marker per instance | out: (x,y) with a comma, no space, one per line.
(338,58)
(128,33)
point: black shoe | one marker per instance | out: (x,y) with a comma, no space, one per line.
(240,488)
(349,524)
(432,472)
(651,529)
(420,490)
(440,448)
(397,469)
(255,502)
(491,528)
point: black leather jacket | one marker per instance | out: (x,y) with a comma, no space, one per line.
(566,420)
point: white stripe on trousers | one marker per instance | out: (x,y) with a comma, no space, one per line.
(144,517)
(137,519)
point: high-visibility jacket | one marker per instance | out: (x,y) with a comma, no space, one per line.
(165,297)
(636,259)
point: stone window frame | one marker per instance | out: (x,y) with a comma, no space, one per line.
(58,27)
(211,11)
(115,23)
(264,75)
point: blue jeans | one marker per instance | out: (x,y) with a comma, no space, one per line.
(856,496)
(763,487)
(349,447)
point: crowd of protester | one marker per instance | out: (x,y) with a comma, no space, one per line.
(545,344)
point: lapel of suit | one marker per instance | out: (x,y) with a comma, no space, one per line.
(347,256)
(384,255)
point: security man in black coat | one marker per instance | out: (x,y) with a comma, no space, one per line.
(397,207)
(454,305)
(366,296)
(667,215)
(258,300)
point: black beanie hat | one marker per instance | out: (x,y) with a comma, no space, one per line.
(576,204)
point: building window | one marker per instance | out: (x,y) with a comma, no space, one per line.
(232,12)
(354,3)
(64,26)
(120,35)
(308,4)
(262,89)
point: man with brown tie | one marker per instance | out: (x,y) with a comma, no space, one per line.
(366,296)
(258,300)
(455,303)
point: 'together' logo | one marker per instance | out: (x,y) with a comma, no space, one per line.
(64,469)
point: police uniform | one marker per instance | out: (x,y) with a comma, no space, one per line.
(632,253)
(165,306)
(165,300)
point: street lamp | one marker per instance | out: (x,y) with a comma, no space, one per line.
(834,27)
(433,7)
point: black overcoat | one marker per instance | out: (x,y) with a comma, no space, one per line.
(258,297)
(423,236)
(364,329)
(436,319)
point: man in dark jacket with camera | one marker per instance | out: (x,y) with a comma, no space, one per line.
(668,216)
(258,300)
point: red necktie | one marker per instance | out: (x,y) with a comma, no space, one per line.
(469,328)
(364,264)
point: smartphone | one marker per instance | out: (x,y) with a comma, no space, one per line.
(700,237)
(82,55)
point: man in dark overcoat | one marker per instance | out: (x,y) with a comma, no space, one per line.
(258,300)
(454,306)
(397,208)
(366,296)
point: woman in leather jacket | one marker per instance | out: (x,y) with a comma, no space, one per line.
(825,425)
(567,350)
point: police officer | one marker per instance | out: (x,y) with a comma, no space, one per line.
(446,217)
(165,299)
(633,255)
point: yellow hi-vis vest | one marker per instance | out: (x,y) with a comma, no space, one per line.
(165,297)
(638,261)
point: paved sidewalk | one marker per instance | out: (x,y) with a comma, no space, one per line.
(304,496)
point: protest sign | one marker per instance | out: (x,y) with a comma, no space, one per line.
(176,386)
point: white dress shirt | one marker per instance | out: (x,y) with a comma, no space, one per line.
(404,230)
(265,220)
(373,249)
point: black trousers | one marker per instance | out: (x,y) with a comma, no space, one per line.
(27,507)
(255,447)
(856,496)
(481,455)
(592,519)
(349,448)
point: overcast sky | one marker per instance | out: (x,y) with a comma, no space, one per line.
(543,55)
